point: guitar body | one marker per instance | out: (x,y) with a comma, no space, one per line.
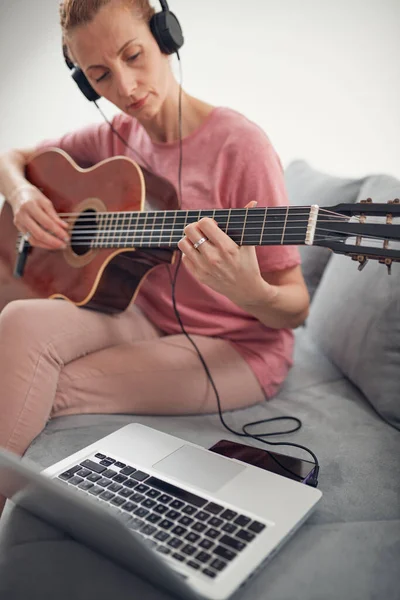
(102,279)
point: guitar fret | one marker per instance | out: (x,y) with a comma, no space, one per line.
(284,225)
(244,227)
(263,227)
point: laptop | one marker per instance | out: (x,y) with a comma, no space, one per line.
(192,522)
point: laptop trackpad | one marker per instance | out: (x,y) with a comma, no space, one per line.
(199,468)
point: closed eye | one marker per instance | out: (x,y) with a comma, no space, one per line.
(130,59)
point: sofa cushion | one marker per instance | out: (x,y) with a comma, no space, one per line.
(306,186)
(356,318)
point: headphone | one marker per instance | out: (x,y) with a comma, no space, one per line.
(167,32)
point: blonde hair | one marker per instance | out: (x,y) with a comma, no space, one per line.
(81,12)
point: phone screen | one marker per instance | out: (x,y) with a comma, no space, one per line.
(288,466)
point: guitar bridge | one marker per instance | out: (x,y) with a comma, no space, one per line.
(312,225)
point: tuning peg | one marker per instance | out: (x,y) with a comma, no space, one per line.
(363,261)
(367,201)
(388,262)
(395,201)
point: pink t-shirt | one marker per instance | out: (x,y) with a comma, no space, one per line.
(227,162)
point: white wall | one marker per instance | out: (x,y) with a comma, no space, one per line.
(322,77)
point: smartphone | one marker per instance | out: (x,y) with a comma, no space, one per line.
(288,466)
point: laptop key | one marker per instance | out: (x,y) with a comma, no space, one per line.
(90,464)
(193,564)
(152,493)
(106,463)
(189,549)
(203,557)
(178,530)
(214,508)
(256,527)
(177,504)
(161,509)
(127,471)
(75,480)
(135,524)
(94,477)
(99,455)
(110,473)
(117,501)
(162,536)
(215,522)
(232,543)
(129,506)
(177,492)
(199,527)
(202,515)
(120,478)
(224,553)
(120,465)
(218,565)
(130,484)
(209,573)
(83,473)
(164,498)
(148,530)
(189,510)
(148,503)
(192,537)
(175,542)
(247,536)
(206,544)
(242,521)
(228,515)
(85,485)
(96,490)
(178,557)
(165,524)
(114,487)
(153,518)
(164,550)
(173,514)
(137,497)
(104,482)
(141,512)
(212,533)
(141,488)
(70,473)
(107,495)
(229,528)
(139,476)
(125,492)
(185,521)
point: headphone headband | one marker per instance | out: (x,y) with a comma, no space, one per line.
(167,32)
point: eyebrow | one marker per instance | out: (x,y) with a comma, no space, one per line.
(118,53)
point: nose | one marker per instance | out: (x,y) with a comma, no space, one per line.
(126,83)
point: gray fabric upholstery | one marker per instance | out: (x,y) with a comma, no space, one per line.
(356,318)
(350,546)
(307,186)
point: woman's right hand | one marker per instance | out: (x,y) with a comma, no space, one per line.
(35,215)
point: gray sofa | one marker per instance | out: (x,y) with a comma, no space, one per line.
(344,386)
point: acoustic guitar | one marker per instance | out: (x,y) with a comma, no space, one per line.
(124,221)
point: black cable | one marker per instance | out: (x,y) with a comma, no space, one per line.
(259,437)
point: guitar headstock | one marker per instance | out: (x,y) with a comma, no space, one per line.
(364,230)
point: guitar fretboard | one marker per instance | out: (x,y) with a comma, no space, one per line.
(160,229)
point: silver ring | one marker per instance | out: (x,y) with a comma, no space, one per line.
(27,236)
(200,242)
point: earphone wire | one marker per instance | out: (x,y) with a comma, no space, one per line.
(259,437)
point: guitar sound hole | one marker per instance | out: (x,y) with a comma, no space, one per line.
(84,232)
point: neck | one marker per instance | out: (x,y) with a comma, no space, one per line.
(164,127)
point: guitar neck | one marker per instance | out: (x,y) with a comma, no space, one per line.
(251,227)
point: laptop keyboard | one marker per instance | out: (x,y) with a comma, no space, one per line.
(180,525)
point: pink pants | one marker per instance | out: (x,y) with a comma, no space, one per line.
(57,359)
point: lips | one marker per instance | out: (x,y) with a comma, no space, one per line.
(138,103)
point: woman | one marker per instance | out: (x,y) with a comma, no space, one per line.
(238,304)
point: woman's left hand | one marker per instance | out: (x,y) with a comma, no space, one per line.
(220,263)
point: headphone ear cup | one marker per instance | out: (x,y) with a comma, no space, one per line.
(167,32)
(83,84)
